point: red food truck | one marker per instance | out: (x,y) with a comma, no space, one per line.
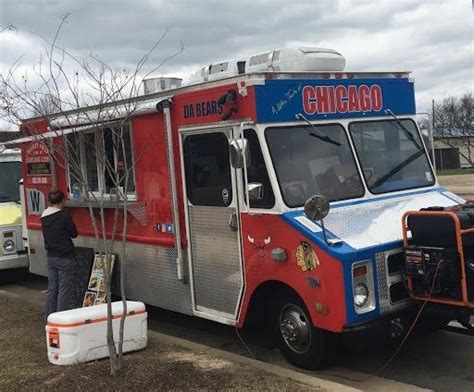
(223,168)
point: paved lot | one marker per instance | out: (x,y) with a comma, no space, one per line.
(441,361)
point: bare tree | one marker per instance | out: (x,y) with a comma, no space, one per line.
(46,105)
(62,86)
(454,124)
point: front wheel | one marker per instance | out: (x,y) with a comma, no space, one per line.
(298,341)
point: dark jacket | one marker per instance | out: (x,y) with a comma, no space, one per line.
(58,229)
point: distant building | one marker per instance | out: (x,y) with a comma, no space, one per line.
(454,149)
(6,135)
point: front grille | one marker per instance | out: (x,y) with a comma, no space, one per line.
(398,292)
(384,302)
(391,290)
(396,263)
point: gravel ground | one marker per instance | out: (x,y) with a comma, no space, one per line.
(161,366)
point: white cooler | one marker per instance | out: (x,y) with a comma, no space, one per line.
(79,335)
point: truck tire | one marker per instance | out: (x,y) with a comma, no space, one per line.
(300,343)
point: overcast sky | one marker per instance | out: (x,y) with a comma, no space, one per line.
(432,38)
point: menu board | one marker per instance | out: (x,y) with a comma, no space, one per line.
(38,163)
(95,294)
(38,169)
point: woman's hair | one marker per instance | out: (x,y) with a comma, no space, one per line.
(56,196)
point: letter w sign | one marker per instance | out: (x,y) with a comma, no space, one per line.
(36,201)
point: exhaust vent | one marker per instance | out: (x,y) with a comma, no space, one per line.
(156,85)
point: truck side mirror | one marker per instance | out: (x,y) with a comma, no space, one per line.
(238,150)
(317,208)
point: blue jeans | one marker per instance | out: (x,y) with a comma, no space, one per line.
(60,273)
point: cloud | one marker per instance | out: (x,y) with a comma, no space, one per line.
(433,39)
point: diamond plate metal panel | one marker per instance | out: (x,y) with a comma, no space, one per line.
(38,260)
(150,272)
(215,259)
(384,300)
(386,281)
(378,222)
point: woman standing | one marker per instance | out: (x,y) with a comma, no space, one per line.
(58,231)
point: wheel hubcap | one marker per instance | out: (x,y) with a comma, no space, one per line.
(295,328)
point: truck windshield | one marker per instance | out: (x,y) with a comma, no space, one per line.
(391,155)
(10,175)
(306,165)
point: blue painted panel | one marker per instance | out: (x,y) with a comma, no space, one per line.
(341,252)
(281,100)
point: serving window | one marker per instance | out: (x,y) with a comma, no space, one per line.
(98,160)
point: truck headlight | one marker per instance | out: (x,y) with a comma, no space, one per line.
(361,295)
(9,246)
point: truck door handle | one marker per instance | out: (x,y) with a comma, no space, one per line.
(233,221)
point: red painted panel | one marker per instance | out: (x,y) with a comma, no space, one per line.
(259,268)
(151,174)
(28,150)
(200,107)
(152,186)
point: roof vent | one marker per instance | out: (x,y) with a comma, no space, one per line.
(156,85)
(303,59)
(221,70)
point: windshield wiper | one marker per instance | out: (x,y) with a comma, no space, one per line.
(397,168)
(408,134)
(320,135)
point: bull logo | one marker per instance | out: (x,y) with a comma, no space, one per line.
(259,244)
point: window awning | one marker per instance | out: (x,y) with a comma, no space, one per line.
(82,121)
(54,133)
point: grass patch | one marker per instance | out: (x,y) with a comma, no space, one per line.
(451,172)
(161,366)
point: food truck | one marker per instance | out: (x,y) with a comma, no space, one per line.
(226,219)
(13,250)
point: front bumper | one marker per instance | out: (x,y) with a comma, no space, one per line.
(383,329)
(14,261)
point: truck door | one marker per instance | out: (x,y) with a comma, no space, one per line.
(212,224)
